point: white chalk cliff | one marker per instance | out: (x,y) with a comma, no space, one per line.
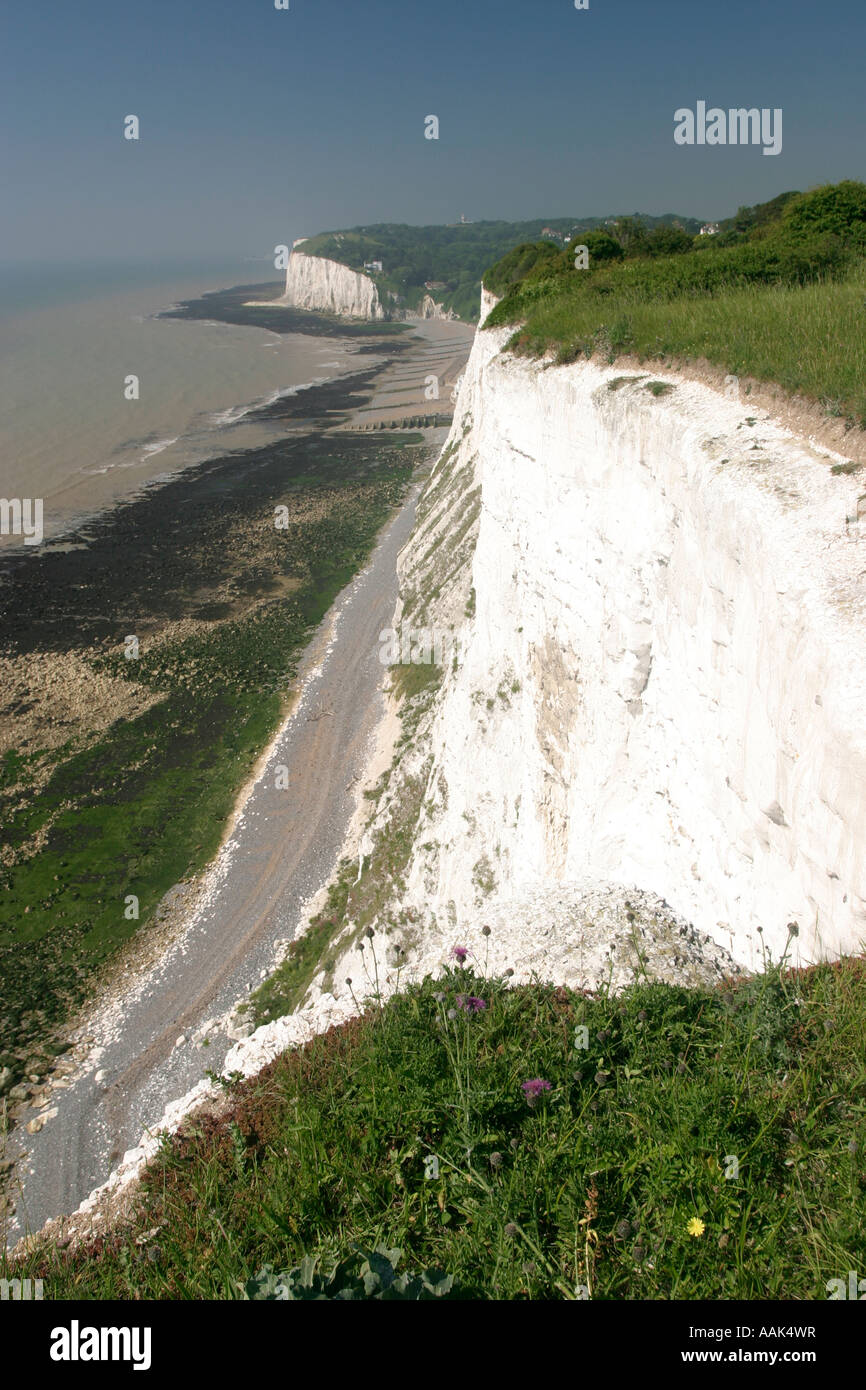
(657,609)
(312,282)
(429,309)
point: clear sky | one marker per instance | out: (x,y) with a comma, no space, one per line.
(260,125)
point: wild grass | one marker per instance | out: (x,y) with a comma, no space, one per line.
(778,296)
(692,1144)
(810,339)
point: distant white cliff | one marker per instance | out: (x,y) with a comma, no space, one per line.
(330,287)
(312,282)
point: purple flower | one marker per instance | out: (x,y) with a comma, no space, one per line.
(459,953)
(533,1089)
(471,1003)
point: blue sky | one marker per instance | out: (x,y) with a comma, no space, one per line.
(259,125)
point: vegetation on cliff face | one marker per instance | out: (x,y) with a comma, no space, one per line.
(777,294)
(532,1143)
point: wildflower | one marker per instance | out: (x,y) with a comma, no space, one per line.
(495,1160)
(459,953)
(369,933)
(485,931)
(696,1226)
(452,1013)
(534,1088)
(439,996)
(349,981)
(470,1003)
(509,972)
(510,1230)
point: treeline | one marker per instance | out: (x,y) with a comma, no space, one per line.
(452,259)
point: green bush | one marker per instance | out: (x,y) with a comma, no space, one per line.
(600,245)
(837,210)
(516,266)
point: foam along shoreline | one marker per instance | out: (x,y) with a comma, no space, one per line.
(235,413)
(254,424)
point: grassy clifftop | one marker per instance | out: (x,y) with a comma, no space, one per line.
(533,1143)
(776,294)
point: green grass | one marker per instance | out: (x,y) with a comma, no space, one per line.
(591,1188)
(782,302)
(809,339)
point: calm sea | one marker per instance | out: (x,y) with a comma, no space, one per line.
(69,336)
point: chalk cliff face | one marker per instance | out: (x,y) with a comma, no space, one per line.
(312,282)
(653,618)
(429,309)
(315,283)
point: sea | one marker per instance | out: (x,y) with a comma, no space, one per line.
(72,432)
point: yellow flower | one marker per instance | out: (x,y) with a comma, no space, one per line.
(696,1227)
